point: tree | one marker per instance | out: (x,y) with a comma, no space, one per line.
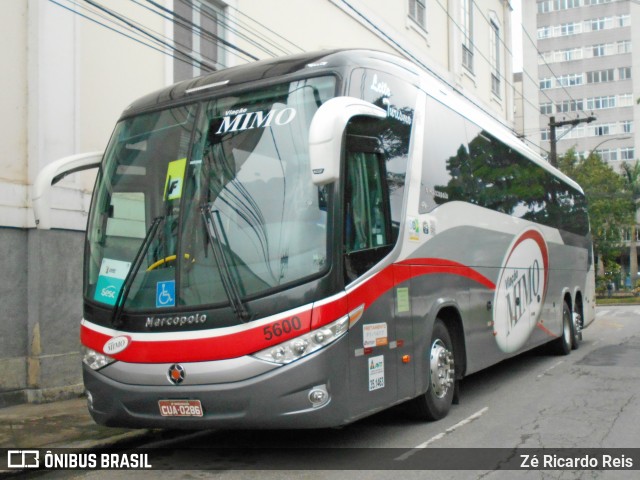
(631,175)
(611,207)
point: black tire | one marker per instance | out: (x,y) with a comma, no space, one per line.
(436,402)
(563,344)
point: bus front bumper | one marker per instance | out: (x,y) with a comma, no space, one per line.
(282,397)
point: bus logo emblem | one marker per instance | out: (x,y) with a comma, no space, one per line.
(176,374)
(521,290)
(116,344)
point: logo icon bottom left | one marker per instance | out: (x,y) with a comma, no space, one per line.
(176,374)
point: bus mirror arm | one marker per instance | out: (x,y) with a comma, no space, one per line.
(52,174)
(326,134)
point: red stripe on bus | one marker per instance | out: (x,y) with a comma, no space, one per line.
(546,330)
(252,340)
(220,347)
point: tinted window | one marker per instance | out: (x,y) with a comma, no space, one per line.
(465,163)
(398,98)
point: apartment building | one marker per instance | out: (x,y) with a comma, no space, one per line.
(589,65)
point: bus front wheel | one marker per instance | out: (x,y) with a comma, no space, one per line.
(436,402)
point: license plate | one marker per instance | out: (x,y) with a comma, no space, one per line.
(180,408)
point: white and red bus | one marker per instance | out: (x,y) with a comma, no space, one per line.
(304,241)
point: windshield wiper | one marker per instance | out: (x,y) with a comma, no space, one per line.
(116,321)
(228,282)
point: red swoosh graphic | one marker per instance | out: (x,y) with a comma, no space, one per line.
(252,339)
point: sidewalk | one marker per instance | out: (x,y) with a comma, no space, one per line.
(63,424)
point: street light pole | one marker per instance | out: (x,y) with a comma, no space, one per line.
(591,152)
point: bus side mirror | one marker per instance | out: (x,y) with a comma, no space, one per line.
(52,174)
(326,133)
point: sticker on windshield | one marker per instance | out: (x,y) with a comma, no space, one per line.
(110,280)
(175,179)
(166,294)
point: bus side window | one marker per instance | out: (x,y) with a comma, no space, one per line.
(367,225)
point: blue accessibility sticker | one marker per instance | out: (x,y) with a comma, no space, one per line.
(166,294)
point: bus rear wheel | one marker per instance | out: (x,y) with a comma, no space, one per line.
(563,344)
(436,402)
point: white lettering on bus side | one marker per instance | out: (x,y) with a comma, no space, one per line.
(157,322)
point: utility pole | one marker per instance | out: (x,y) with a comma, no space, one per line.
(553,155)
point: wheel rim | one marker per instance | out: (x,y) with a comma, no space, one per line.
(442,368)
(566,328)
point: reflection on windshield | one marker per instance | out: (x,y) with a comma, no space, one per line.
(253,171)
(136,185)
(246,160)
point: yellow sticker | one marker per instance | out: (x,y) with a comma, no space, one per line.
(175,179)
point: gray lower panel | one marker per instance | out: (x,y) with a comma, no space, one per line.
(275,399)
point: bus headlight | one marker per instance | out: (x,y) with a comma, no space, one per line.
(95,360)
(303,345)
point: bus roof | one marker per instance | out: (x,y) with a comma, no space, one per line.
(193,89)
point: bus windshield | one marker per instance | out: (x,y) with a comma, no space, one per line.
(209,203)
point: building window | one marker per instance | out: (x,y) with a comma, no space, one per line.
(544,6)
(624,46)
(571,54)
(417,12)
(546,108)
(467,33)
(627,126)
(495,57)
(566,4)
(544,135)
(624,20)
(627,153)
(600,76)
(597,24)
(608,155)
(546,83)
(544,32)
(599,103)
(569,106)
(196,29)
(624,73)
(598,50)
(570,29)
(571,80)
(625,100)
(562,107)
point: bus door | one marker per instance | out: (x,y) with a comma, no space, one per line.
(367,240)
(376,168)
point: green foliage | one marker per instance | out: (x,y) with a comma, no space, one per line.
(611,206)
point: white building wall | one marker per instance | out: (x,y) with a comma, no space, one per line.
(13,105)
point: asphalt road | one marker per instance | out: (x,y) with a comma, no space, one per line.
(588,399)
